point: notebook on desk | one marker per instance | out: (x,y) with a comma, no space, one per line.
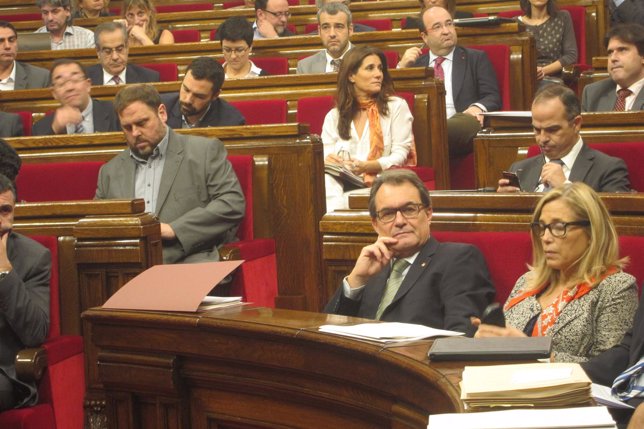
(490,349)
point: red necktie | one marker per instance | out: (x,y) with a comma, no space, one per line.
(620,103)
(438,68)
(116,79)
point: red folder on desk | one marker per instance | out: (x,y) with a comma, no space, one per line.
(173,287)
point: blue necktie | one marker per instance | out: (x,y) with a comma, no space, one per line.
(630,383)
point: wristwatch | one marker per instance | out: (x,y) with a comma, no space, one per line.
(4,274)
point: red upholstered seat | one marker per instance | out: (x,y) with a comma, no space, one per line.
(506,254)
(63,181)
(168,72)
(62,388)
(631,152)
(259,112)
(21,17)
(27,122)
(392,59)
(183,7)
(273,65)
(229,4)
(213,34)
(256,279)
(186,36)
(633,247)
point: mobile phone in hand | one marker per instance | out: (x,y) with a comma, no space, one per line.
(512,178)
(493,315)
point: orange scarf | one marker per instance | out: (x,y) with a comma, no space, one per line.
(550,314)
(376,143)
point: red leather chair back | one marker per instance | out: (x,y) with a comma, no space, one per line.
(633,247)
(261,112)
(186,36)
(631,152)
(183,7)
(27,122)
(392,59)
(313,110)
(168,72)
(506,254)
(578,16)
(243,166)
(59,181)
(273,65)
(378,24)
(21,17)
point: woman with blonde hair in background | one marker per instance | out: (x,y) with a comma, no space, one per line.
(141,22)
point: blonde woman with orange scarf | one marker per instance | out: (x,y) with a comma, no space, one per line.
(575,291)
(369,130)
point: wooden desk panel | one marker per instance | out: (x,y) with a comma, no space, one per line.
(257,367)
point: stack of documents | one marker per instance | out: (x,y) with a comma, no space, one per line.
(525,385)
(210,302)
(585,417)
(387,332)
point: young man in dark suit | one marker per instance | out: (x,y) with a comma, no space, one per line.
(197,104)
(15,74)
(112,49)
(406,275)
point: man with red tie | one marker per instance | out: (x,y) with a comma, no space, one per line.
(470,82)
(623,90)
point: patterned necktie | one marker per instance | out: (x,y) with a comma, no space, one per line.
(629,384)
(438,68)
(116,79)
(620,103)
(79,129)
(393,284)
(335,64)
(547,187)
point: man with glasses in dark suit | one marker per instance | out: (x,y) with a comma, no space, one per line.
(406,275)
(271,18)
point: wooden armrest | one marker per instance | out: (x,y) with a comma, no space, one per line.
(31,364)
(229,253)
(571,73)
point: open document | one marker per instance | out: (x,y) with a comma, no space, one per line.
(559,418)
(387,332)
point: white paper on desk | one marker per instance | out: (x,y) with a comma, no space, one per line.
(509,113)
(602,395)
(558,418)
(388,331)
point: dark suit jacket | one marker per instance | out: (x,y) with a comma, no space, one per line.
(105,119)
(601,172)
(30,77)
(473,79)
(10,125)
(603,369)
(446,284)
(221,113)
(601,97)
(199,195)
(628,11)
(24,318)
(133,74)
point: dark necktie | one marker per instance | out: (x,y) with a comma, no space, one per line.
(620,103)
(547,187)
(393,284)
(439,73)
(116,79)
(335,64)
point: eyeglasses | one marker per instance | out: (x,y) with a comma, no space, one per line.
(74,81)
(6,209)
(238,51)
(557,229)
(409,211)
(279,14)
(109,51)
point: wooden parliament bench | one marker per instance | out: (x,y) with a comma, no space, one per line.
(256,367)
(508,139)
(295,206)
(522,52)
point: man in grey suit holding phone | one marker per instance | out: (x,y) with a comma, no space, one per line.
(556,119)
(186,181)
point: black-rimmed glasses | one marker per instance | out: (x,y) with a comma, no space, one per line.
(557,229)
(279,14)
(409,211)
